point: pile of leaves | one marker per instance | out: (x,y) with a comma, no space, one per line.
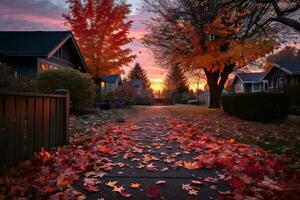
(251,172)
(280,138)
(53,172)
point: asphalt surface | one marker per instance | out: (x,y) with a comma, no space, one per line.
(154,127)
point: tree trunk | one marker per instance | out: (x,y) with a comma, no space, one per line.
(216,82)
(215,97)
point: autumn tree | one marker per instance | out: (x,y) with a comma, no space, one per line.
(101,28)
(175,81)
(138,73)
(203,35)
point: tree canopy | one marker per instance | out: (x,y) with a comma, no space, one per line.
(206,35)
(101,29)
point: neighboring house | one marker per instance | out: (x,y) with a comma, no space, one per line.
(204,97)
(140,88)
(249,83)
(30,52)
(110,83)
(282,74)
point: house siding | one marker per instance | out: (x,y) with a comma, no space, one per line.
(278,79)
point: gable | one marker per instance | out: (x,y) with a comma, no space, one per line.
(275,71)
(42,45)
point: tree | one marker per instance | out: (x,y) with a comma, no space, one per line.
(175,81)
(137,72)
(288,54)
(203,34)
(265,12)
(101,28)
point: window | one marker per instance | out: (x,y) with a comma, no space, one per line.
(256,87)
(44,67)
(102,85)
(239,87)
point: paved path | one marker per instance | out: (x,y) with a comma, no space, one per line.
(151,139)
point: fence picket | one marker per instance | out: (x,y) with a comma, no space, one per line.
(9,132)
(38,124)
(20,129)
(1,130)
(30,135)
(46,124)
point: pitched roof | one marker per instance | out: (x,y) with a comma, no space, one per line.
(293,67)
(251,77)
(111,78)
(30,43)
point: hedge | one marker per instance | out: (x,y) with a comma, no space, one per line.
(294,94)
(81,86)
(257,106)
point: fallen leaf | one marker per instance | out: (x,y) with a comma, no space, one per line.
(111,183)
(160,182)
(135,185)
(118,189)
(153,192)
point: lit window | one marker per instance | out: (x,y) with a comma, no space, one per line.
(102,85)
(44,67)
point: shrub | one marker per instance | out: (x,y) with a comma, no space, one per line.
(294,94)
(257,106)
(81,86)
(8,81)
(126,92)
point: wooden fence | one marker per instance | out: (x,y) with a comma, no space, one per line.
(30,122)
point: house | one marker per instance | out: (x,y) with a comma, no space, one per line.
(140,88)
(282,74)
(204,96)
(249,82)
(31,52)
(110,83)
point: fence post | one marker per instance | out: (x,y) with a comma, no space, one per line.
(66,114)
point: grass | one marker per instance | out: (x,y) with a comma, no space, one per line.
(279,138)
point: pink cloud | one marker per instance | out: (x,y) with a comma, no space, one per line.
(30,15)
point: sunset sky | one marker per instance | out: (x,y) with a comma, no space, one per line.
(46,15)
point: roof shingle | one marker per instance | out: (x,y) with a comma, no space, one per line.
(251,77)
(30,43)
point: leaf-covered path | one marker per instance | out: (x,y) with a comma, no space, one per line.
(156,164)
(152,155)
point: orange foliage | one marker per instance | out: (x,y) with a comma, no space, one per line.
(101,29)
(217,45)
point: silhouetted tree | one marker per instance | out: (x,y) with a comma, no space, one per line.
(175,81)
(138,73)
(287,54)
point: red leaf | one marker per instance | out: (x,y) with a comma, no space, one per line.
(153,192)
